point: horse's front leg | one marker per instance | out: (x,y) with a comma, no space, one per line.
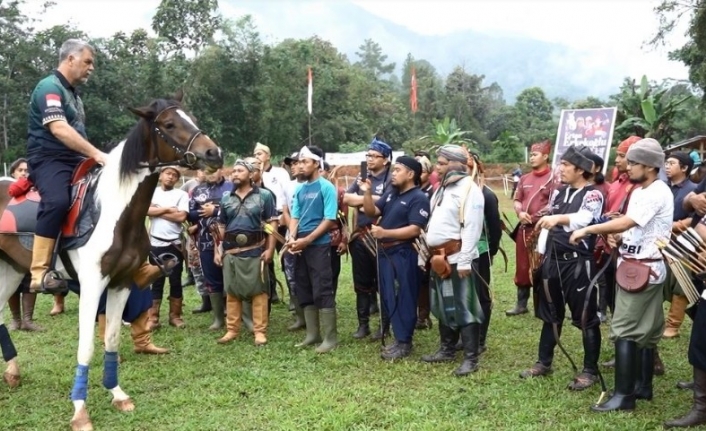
(92,287)
(115,304)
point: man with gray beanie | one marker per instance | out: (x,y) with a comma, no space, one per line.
(638,320)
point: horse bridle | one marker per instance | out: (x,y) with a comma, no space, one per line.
(188,158)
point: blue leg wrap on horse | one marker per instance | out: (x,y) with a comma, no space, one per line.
(80,389)
(8,349)
(110,370)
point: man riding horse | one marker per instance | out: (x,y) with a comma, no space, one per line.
(56,144)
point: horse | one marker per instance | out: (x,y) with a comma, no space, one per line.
(165,135)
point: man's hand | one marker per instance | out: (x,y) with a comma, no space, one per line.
(207,210)
(217,259)
(364,185)
(300,244)
(699,203)
(525,218)
(547,222)
(679,226)
(193,229)
(463,273)
(100,157)
(578,235)
(377,232)
(613,215)
(342,247)
(266,255)
(613,240)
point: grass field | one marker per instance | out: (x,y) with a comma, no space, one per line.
(205,386)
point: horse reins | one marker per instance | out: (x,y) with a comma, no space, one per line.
(188,159)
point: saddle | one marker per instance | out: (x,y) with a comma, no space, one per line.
(20,215)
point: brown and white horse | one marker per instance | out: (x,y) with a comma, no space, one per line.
(119,244)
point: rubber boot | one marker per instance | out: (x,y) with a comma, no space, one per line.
(591,338)
(154,314)
(142,336)
(470,336)
(523,294)
(362,307)
(28,301)
(260,318)
(205,305)
(58,307)
(374,307)
(697,414)
(675,317)
(313,334)
(42,278)
(175,308)
(299,322)
(189,279)
(247,315)
(234,314)
(329,329)
(623,397)
(645,374)
(447,346)
(217,306)
(16,310)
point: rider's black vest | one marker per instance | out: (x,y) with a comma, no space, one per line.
(569,201)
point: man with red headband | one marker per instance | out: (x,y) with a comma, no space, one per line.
(532,195)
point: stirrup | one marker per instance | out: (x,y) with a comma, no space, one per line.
(61,288)
(165,262)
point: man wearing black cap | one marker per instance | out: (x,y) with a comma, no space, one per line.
(288,259)
(404,212)
(677,168)
(567,268)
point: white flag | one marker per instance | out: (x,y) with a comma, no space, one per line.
(310,92)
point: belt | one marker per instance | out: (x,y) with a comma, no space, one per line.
(629,259)
(388,244)
(238,250)
(447,249)
(566,256)
(243,239)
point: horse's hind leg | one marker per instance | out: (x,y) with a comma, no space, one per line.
(115,304)
(10,278)
(92,287)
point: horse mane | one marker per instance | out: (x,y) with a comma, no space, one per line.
(134,150)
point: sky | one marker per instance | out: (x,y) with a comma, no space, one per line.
(609,32)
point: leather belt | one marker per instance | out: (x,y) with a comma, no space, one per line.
(447,249)
(243,239)
(629,259)
(387,244)
(238,250)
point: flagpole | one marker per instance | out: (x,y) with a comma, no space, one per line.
(309,97)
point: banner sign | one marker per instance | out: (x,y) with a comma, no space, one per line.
(353,159)
(590,127)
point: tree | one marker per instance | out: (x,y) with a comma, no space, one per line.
(187,24)
(531,119)
(372,60)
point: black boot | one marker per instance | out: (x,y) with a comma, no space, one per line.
(523,294)
(687,386)
(374,308)
(205,305)
(645,373)
(591,351)
(362,306)
(697,414)
(397,351)
(470,336)
(623,397)
(482,339)
(447,346)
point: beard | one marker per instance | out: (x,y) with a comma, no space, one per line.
(639,180)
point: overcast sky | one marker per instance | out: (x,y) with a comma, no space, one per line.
(610,32)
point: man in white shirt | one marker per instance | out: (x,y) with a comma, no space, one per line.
(274,179)
(167,212)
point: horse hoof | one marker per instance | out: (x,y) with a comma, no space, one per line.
(125,405)
(81,422)
(12,380)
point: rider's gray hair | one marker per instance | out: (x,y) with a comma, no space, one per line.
(73,47)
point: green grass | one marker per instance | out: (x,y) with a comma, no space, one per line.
(204,386)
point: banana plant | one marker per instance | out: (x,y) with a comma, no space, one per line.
(650,112)
(446,132)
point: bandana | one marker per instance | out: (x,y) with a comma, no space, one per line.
(544,147)
(305,153)
(254,162)
(380,147)
(625,145)
(453,153)
(246,164)
(426,164)
(412,164)
(264,148)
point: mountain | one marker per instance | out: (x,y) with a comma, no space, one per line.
(515,63)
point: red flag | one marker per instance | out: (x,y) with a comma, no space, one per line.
(413,92)
(310,92)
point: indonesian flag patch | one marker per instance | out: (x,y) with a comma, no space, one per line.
(53,100)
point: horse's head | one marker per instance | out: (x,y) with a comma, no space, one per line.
(175,137)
